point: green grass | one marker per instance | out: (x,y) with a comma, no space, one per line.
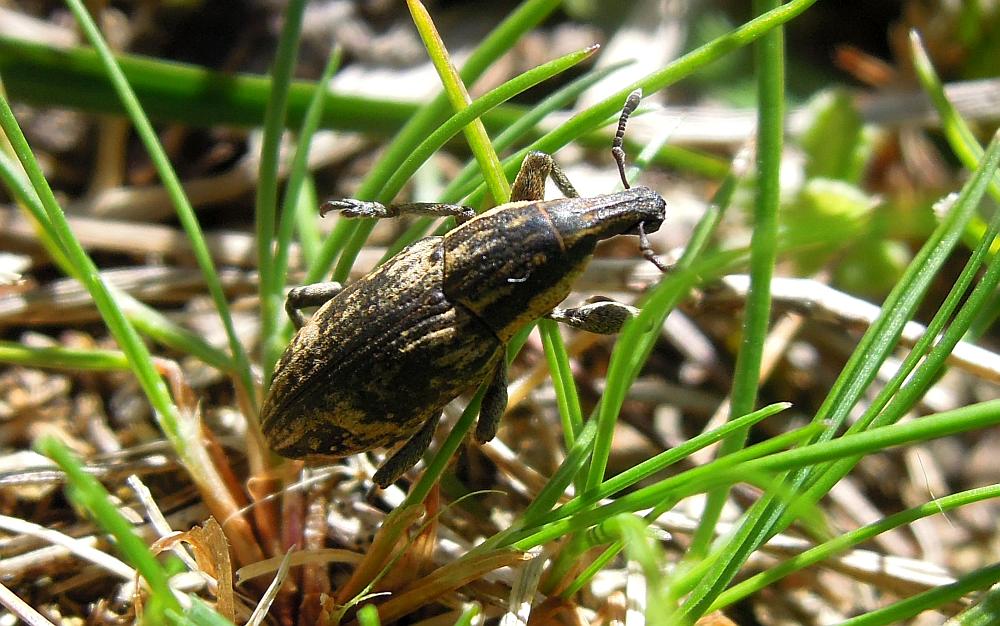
(770,65)
(606,515)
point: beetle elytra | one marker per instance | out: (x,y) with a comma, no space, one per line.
(381,357)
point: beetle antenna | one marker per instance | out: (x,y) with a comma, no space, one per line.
(616,146)
(647,250)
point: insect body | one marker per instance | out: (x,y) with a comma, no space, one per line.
(381,357)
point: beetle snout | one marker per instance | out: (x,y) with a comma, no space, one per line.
(650,208)
(588,220)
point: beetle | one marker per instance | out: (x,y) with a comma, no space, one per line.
(382,356)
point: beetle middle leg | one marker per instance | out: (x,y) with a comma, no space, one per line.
(307,296)
(605,317)
(408,455)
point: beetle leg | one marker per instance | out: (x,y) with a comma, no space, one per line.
(494,404)
(376,210)
(559,178)
(435,209)
(408,455)
(306,296)
(602,318)
(530,181)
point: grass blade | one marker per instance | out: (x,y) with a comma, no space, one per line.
(274,342)
(770,62)
(768,516)
(840,544)
(171,183)
(87,492)
(146,319)
(267,184)
(351,237)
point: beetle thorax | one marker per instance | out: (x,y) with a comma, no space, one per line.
(509,266)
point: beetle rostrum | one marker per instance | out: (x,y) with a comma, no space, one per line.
(381,357)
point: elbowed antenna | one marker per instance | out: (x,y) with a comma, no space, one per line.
(616,146)
(619,154)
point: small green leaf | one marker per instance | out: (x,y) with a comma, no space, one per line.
(835,208)
(368,615)
(200,614)
(832,138)
(873,267)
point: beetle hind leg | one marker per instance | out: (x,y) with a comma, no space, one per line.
(494,404)
(408,455)
(307,296)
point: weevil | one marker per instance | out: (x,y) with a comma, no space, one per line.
(381,357)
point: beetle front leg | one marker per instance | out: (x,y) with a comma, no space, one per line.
(307,296)
(529,184)
(494,404)
(603,318)
(376,210)
(408,455)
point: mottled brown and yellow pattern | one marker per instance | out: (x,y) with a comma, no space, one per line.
(380,359)
(377,361)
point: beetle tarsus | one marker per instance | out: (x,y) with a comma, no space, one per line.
(408,455)
(493,406)
(601,318)
(307,296)
(349,207)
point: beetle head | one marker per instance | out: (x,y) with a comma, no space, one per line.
(586,221)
